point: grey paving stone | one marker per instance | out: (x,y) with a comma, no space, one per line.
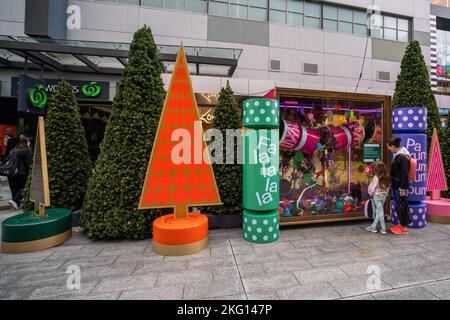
(211,289)
(25,268)
(439,271)
(89,262)
(329,259)
(243,249)
(74,251)
(206,253)
(378,243)
(123,248)
(356,286)
(225,261)
(221,251)
(266,281)
(256,258)
(320,242)
(368,254)
(172,292)
(361,297)
(56,291)
(347,238)
(403,250)
(404,262)
(320,291)
(232,297)
(100,296)
(299,253)
(139,258)
(183,277)
(18,258)
(409,293)
(436,245)
(359,269)
(433,235)
(273,247)
(441,289)
(14,293)
(103,272)
(251,269)
(339,247)
(287,265)
(41,279)
(225,273)
(306,277)
(436,256)
(407,277)
(127,283)
(161,267)
(266,294)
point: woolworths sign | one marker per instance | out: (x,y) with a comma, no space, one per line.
(84,90)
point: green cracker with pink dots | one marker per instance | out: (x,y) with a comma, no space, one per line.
(261,227)
(260,113)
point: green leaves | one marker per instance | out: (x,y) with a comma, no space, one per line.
(228,176)
(110,207)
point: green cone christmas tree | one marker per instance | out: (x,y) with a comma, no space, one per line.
(111,203)
(228,176)
(68,161)
(413,87)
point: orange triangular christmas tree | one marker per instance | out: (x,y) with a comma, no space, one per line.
(169,183)
(436,181)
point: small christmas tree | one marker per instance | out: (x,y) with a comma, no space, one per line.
(445,151)
(413,87)
(228,176)
(436,181)
(188,180)
(111,203)
(69,166)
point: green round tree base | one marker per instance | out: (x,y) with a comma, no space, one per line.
(261,227)
(26,232)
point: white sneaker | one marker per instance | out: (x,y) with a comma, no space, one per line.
(13,205)
(383,231)
(369,228)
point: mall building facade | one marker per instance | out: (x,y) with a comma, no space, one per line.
(257,45)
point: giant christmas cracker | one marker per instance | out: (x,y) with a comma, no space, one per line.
(409,124)
(261,170)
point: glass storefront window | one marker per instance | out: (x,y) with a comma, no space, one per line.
(360,29)
(330,25)
(345,27)
(278,4)
(330,12)
(278,16)
(153,3)
(218,8)
(312,9)
(197,6)
(390,34)
(312,22)
(295,19)
(360,17)
(345,14)
(175,4)
(325,148)
(238,11)
(295,6)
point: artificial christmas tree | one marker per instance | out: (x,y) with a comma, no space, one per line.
(437,181)
(69,166)
(228,176)
(111,202)
(179,173)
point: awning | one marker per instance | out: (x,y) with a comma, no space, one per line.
(65,56)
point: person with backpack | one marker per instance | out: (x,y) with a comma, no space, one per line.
(20,159)
(400,179)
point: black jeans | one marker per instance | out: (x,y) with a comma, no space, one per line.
(17,184)
(403,216)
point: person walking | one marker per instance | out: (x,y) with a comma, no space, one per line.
(379,189)
(17,182)
(9,141)
(399,182)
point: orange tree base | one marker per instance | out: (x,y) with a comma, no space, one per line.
(189,234)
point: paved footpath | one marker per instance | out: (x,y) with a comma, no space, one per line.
(308,262)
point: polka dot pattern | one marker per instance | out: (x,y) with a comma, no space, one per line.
(261,113)
(409,119)
(261,227)
(417,214)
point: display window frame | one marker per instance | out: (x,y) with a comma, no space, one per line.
(386,158)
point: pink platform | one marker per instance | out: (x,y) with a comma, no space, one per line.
(438,211)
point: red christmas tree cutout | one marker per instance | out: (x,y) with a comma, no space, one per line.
(191,183)
(436,174)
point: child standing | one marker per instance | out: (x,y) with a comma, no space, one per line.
(378,189)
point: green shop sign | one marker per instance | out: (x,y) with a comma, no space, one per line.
(371,153)
(84,90)
(37,97)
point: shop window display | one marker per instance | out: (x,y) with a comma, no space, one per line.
(326,148)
